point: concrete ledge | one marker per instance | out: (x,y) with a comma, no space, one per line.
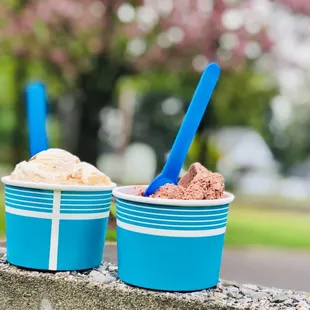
(100,289)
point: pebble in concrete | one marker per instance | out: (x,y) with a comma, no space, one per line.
(100,289)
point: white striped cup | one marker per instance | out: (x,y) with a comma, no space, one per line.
(56,227)
(169,244)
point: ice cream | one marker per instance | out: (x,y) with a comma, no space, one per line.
(198,183)
(85,173)
(56,166)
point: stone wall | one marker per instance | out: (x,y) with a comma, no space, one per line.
(100,289)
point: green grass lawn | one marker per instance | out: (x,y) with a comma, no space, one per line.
(111,235)
(2,224)
(252,226)
(2,215)
(262,227)
(248,226)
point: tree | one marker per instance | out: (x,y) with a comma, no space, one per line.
(75,40)
(298,6)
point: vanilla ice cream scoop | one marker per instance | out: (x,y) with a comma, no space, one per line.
(85,173)
(55,157)
(56,166)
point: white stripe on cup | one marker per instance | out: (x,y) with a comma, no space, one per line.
(44,215)
(83,204)
(168,225)
(119,206)
(34,202)
(27,191)
(202,209)
(171,233)
(65,195)
(84,209)
(90,216)
(40,215)
(54,232)
(87,199)
(124,214)
(28,207)
(30,197)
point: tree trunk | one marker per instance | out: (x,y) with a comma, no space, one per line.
(98,87)
(19,138)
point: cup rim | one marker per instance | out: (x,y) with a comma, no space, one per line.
(121,192)
(63,187)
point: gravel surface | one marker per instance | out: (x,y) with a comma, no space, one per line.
(53,290)
(255,265)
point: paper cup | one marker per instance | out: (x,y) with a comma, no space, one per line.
(170,245)
(56,227)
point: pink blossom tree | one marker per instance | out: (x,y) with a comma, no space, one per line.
(91,43)
(175,34)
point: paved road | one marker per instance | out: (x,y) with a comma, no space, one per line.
(282,269)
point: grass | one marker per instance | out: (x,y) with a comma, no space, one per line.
(264,227)
(111,235)
(248,225)
(2,215)
(254,226)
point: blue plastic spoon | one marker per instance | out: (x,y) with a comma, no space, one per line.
(36,117)
(187,130)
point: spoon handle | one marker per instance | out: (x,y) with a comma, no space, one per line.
(36,117)
(191,120)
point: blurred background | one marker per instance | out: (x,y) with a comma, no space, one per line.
(120,75)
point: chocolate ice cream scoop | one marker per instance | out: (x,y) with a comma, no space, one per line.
(169,191)
(193,170)
(198,183)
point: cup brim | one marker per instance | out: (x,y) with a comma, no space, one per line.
(130,193)
(63,187)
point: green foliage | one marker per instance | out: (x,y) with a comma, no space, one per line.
(12,4)
(155,80)
(242,98)
(7,82)
(35,69)
(14,74)
(211,155)
(42,71)
(53,132)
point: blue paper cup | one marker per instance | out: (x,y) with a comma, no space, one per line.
(169,245)
(56,227)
